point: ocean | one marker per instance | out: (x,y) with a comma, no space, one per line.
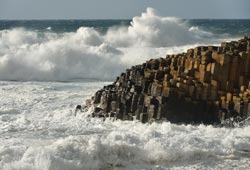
(47,67)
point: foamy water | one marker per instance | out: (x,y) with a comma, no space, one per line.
(38,126)
(28,55)
(38,131)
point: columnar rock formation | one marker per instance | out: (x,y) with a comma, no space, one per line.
(204,85)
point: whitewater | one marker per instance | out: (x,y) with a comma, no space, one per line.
(28,55)
(45,74)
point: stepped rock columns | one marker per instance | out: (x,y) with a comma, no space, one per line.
(204,85)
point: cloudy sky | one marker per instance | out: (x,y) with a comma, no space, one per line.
(122,9)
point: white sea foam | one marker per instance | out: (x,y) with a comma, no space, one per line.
(38,131)
(87,53)
(151,30)
(38,126)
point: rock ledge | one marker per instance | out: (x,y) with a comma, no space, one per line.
(206,84)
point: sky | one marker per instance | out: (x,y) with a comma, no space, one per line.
(122,9)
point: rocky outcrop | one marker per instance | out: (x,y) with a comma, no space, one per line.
(204,85)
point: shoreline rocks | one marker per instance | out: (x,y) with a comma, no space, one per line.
(206,84)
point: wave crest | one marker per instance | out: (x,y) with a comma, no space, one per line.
(46,56)
(151,30)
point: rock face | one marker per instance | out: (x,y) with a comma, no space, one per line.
(204,85)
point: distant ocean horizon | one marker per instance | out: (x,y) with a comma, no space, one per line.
(71,25)
(102,43)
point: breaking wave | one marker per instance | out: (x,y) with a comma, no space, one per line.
(43,133)
(127,145)
(47,56)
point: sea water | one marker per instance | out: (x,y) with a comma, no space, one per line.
(49,67)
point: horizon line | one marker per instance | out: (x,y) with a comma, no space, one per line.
(53,19)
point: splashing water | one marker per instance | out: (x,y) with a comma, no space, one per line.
(38,130)
(38,126)
(27,55)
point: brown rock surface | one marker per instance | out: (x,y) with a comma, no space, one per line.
(205,85)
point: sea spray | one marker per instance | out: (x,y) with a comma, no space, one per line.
(27,55)
(38,126)
(44,133)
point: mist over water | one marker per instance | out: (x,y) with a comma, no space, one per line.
(28,55)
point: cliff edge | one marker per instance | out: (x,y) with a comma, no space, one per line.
(206,84)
